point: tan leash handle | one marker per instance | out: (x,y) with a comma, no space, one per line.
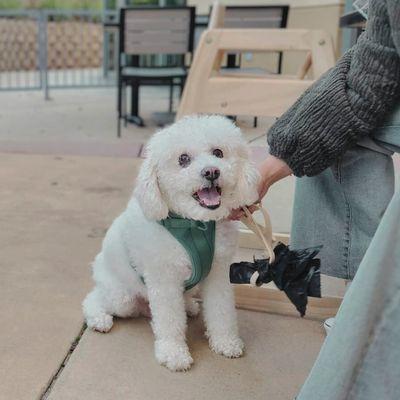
(263,232)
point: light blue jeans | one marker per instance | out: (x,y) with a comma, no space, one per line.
(342,207)
(360,357)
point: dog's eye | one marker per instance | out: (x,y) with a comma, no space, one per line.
(184,160)
(218,153)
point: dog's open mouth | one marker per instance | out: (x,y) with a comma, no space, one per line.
(209,197)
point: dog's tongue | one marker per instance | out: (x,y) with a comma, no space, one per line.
(209,196)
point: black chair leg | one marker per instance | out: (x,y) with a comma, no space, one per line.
(134,118)
(124,111)
(134,98)
(255,122)
(182,86)
(119,107)
(171,96)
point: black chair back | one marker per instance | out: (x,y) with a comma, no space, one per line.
(256,17)
(167,30)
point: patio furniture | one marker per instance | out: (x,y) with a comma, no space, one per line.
(253,17)
(249,17)
(210,90)
(150,31)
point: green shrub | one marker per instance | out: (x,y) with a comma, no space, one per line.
(52,4)
(10,4)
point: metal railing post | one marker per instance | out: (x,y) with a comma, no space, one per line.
(43,53)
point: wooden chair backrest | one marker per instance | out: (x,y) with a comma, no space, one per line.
(207,90)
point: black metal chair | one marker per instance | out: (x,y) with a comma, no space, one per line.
(152,31)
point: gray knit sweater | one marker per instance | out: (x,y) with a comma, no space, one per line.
(347,102)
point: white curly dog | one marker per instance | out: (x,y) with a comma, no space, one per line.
(198,168)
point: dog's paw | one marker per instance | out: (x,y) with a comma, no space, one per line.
(228,346)
(192,308)
(175,356)
(101,323)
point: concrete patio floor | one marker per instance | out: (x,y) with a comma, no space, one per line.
(56,206)
(65,176)
(55,211)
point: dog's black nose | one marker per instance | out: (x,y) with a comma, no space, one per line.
(210,173)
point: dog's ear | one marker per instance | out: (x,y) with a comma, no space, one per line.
(147,191)
(248,179)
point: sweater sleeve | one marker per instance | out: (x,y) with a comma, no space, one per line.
(345,104)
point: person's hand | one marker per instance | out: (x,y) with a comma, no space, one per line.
(271,170)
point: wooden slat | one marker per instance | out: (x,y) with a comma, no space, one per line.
(222,17)
(224,95)
(252,18)
(154,37)
(156,31)
(150,14)
(161,48)
(262,39)
(156,23)
(322,59)
(242,73)
(151,42)
(217,16)
(275,301)
(301,74)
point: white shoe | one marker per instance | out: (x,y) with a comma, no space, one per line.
(328,324)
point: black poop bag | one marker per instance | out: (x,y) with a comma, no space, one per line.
(296,272)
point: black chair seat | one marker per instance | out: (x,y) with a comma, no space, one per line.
(154,73)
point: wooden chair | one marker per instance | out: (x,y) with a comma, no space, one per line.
(210,91)
(249,17)
(146,31)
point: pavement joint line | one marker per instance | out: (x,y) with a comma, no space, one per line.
(63,364)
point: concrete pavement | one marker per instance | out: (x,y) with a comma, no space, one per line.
(121,365)
(56,206)
(54,212)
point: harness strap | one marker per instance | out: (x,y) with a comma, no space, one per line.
(198,239)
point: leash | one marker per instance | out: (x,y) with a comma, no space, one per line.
(296,272)
(263,232)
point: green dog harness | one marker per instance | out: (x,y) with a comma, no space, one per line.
(198,239)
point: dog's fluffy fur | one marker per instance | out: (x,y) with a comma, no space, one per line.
(137,239)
